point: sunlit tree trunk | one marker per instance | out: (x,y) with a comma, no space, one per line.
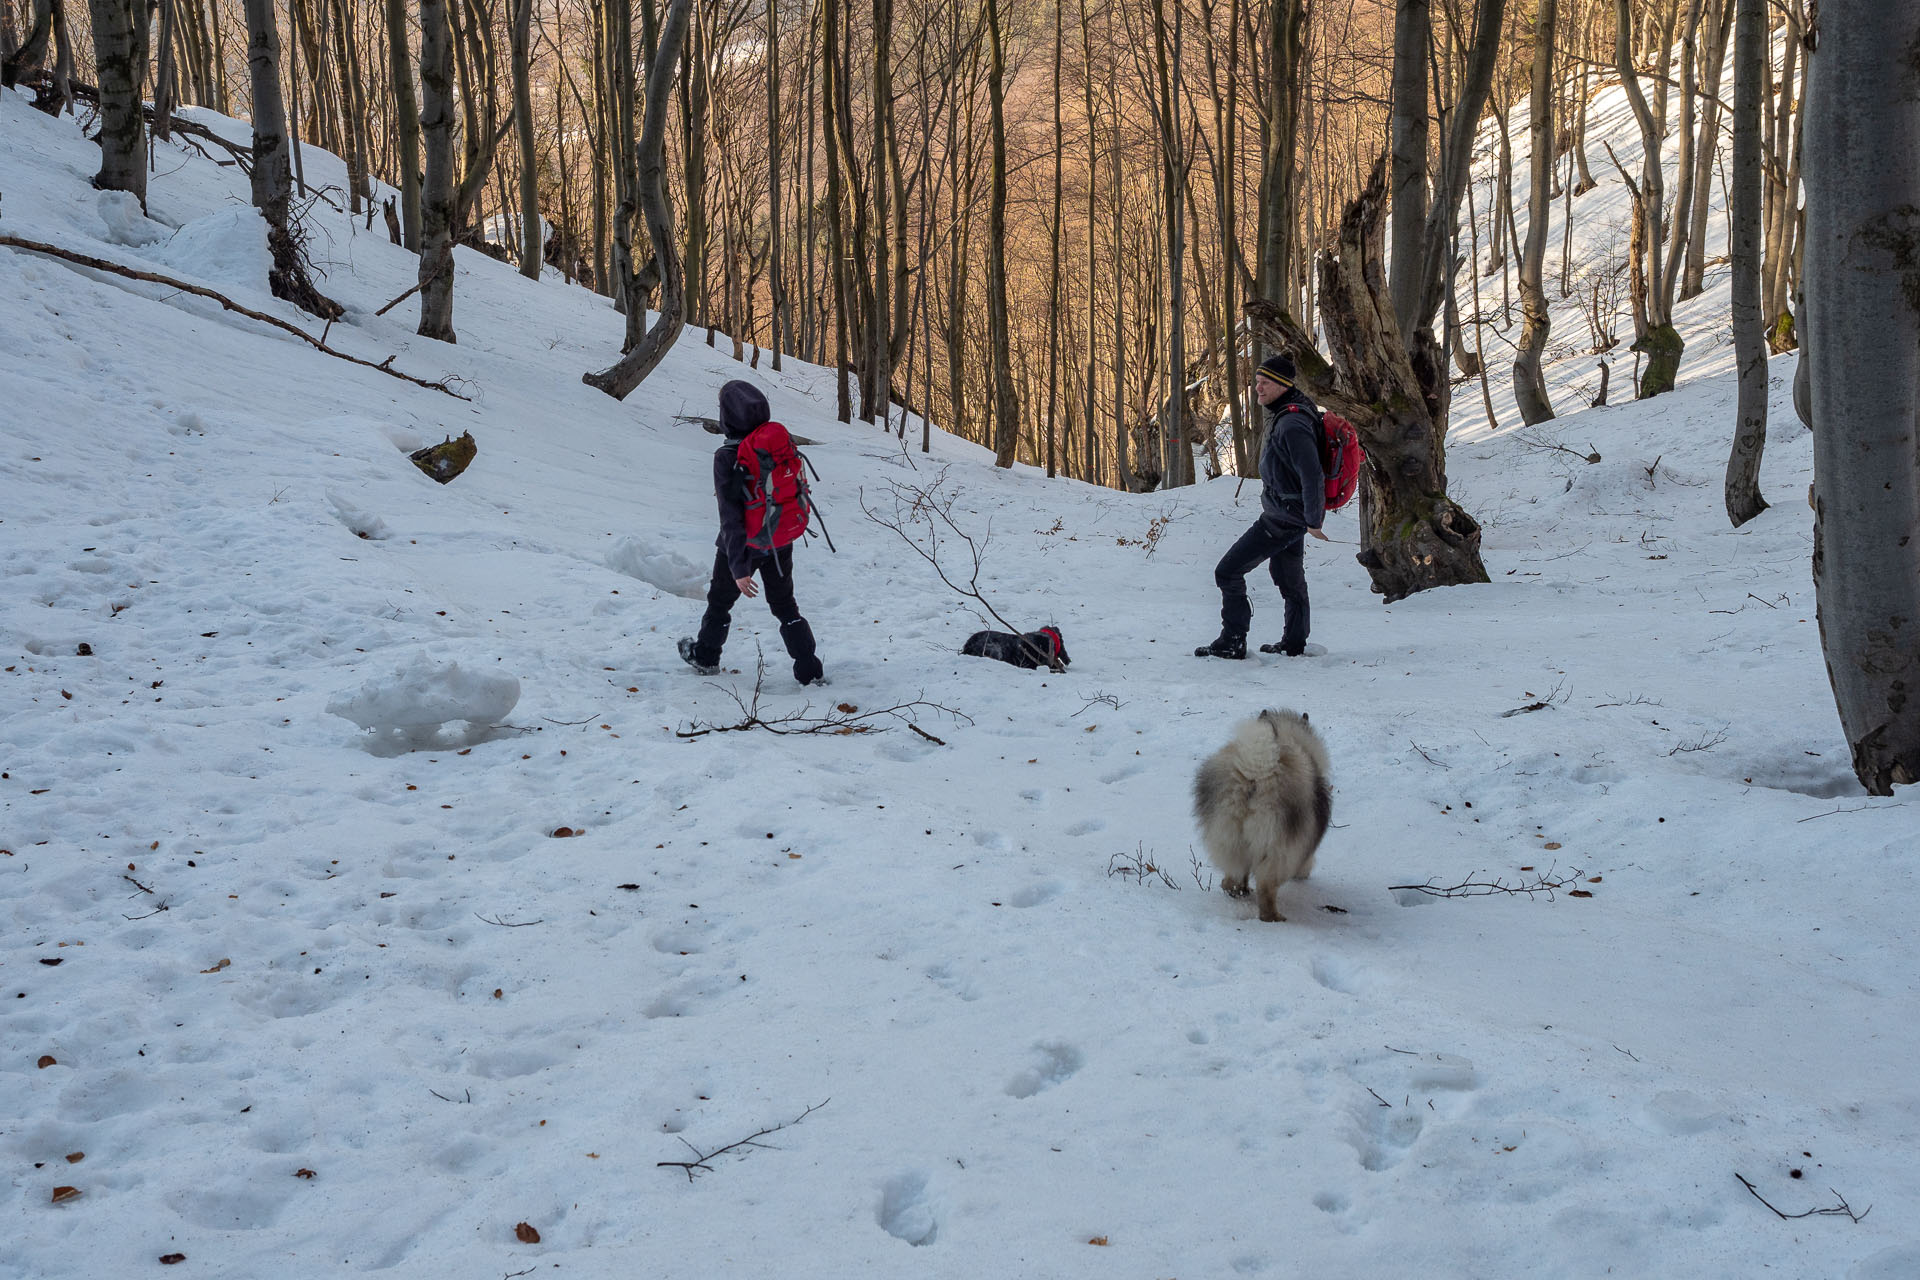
(1749,328)
(1863,311)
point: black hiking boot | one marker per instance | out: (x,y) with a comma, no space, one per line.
(687,647)
(1227,646)
(1282,650)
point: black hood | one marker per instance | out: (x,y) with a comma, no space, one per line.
(742,408)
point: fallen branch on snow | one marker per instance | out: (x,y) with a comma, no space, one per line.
(1841,1210)
(149,277)
(699,1165)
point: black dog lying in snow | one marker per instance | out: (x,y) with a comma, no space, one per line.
(1042,648)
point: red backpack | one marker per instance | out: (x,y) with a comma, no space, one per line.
(778,503)
(1340,458)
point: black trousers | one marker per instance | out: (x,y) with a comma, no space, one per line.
(776,581)
(1284,549)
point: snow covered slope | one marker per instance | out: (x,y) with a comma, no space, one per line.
(387,1016)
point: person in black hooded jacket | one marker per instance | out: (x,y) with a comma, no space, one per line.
(742,408)
(1293,504)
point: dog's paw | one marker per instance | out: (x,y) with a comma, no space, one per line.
(1234,888)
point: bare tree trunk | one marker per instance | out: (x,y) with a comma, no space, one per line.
(1006,409)
(120,61)
(670,317)
(272,170)
(437,206)
(406,114)
(521,54)
(1286,58)
(24,61)
(776,270)
(1177,470)
(1713,55)
(1412,33)
(1529,383)
(1655,336)
(831,94)
(1863,313)
(1413,536)
(1749,337)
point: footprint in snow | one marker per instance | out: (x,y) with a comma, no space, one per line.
(1058,1062)
(907,1210)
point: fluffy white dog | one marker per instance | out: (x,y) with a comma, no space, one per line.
(1263,802)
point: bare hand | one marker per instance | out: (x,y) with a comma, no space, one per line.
(1320,535)
(748,587)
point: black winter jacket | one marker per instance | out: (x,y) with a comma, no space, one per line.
(1293,486)
(742,408)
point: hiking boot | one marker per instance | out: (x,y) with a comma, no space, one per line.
(1226,646)
(1283,651)
(687,656)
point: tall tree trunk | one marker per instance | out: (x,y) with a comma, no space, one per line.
(1053,247)
(1286,59)
(406,115)
(1413,536)
(670,317)
(1529,383)
(120,61)
(776,268)
(831,92)
(272,169)
(1717,25)
(1863,314)
(1749,328)
(19,63)
(1006,409)
(1177,450)
(1412,34)
(1655,336)
(521,54)
(437,207)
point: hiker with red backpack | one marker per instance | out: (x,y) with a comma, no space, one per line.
(760,482)
(1297,487)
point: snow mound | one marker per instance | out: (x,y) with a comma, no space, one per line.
(428,692)
(126,222)
(659,567)
(226,247)
(361,522)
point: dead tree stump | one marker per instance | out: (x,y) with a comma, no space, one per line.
(447,459)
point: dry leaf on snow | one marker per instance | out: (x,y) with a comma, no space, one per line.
(525,1234)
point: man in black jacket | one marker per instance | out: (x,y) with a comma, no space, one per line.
(742,408)
(1293,503)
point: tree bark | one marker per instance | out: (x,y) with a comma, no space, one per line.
(406,118)
(1413,536)
(437,207)
(25,60)
(1654,336)
(1006,408)
(1412,35)
(1529,383)
(1749,327)
(272,176)
(120,60)
(670,318)
(522,56)
(1863,311)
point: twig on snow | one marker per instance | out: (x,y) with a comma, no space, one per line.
(507,924)
(1545,883)
(1841,1210)
(1856,809)
(699,1165)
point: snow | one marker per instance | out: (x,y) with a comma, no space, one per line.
(387,1015)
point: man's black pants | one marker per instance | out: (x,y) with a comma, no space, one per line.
(776,580)
(1284,549)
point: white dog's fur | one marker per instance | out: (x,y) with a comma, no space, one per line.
(1264,802)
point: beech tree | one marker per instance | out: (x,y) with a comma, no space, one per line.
(120,60)
(1529,384)
(272,176)
(1863,311)
(1744,244)
(651,152)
